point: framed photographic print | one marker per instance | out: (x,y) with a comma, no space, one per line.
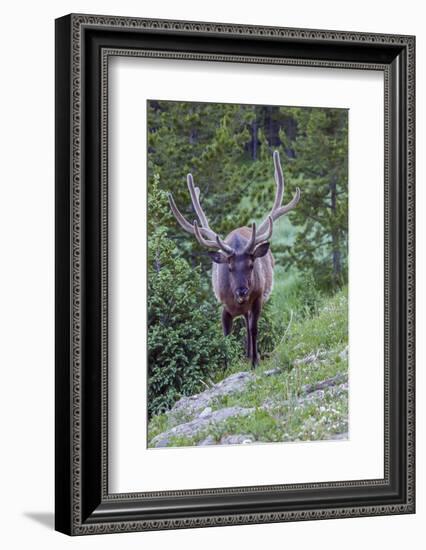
(234,274)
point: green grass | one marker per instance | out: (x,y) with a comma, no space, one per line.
(280,413)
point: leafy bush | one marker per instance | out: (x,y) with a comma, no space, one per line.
(185,343)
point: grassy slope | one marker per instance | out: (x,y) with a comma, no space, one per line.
(324,333)
(310,325)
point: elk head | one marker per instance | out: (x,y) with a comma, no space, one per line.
(240,261)
(241,250)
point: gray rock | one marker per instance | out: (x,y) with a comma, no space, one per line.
(205,413)
(192,428)
(238,439)
(344,435)
(310,393)
(161,441)
(195,403)
(209,440)
(333,381)
(344,354)
(312,396)
(271,372)
(317,355)
(306,360)
(270,404)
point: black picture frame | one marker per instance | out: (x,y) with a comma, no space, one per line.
(83,45)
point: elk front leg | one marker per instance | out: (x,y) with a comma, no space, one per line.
(254,317)
(248,341)
(227,327)
(226,322)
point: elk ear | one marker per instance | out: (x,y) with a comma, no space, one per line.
(260,250)
(218,257)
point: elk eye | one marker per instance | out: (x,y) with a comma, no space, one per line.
(230,270)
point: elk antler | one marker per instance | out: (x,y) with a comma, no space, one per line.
(257,238)
(278,210)
(204,235)
(208,238)
(252,242)
(217,243)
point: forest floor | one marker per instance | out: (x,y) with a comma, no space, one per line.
(298,393)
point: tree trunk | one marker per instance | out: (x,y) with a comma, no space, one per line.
(336,255)
(157,263)
(254,129)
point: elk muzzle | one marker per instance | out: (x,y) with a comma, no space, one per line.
(241,294)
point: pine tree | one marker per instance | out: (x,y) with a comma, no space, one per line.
(318,164)
(228,149)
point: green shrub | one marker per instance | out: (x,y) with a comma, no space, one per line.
(185,344)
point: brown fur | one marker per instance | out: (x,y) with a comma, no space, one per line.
(259,291)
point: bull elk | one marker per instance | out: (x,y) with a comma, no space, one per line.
(243,266)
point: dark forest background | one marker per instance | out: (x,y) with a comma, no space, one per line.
(228,148)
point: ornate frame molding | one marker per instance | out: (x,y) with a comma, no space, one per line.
(72,46)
